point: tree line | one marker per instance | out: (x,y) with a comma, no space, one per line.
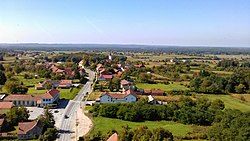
(138,134)
(187,111)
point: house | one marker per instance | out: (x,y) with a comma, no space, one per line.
(5,107)
(153,92)
(127,96)
(152,100)
(81,64)
(105,77)
(98,67)
(28,130)
(23,99)
(65,84)
(126,85)
(54,84)
(113,137)
(3,124)
(50,97)
(68,72)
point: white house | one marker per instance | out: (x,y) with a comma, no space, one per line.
(118,98)
(50,97)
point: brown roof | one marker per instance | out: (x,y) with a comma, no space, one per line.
(113,137)
(64,82)
(6,105)
(51,93)
(24,97)
(154,92)
(69,72)
(24,127)
(125,82)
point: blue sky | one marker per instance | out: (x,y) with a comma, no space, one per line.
(164,22)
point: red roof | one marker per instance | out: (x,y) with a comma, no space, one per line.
(24,127)
(107,76)
(113,137)
(6,105)
(69,72)
(65,82)
(51,93)
(125,82)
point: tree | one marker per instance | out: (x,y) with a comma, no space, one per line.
(241,88)
(1,67)
(114,84)
(77,74)
(17,114)
(2,78)
(49,135)
(47,119)
(14,87)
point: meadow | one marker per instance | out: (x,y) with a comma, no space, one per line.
(105,124)
(164,87)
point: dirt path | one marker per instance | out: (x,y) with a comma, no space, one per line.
(84,124)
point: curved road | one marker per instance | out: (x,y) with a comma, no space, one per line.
(67,128)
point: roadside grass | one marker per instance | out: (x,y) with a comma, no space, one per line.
(164,87)
(105,124)
(230,102)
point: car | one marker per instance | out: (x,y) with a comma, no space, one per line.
(65,116)
(56,111)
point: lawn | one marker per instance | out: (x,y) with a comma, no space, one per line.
(64,93)
(105,124)
(230,102)
(28,81)
(169,87)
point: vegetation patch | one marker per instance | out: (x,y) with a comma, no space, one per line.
(105,124)
(164,87)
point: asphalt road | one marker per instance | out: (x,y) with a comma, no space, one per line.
(66,131)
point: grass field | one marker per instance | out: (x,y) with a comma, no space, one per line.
(230,102)
(164,87)
(105,124)
(28,81)
(64,93)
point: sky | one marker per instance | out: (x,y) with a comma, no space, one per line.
(149,22)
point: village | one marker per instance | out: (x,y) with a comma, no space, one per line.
(67,89)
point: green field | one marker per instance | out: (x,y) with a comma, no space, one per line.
(169,87)
(28,81)
(105,124)
(230,102)
(64,93)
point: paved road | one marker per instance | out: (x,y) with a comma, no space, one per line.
(66,131)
